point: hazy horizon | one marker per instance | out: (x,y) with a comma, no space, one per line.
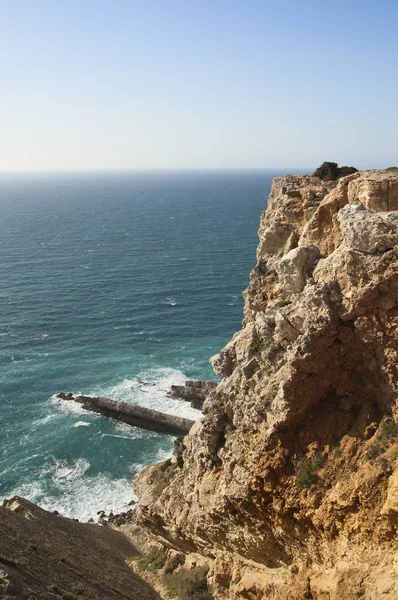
(128,85)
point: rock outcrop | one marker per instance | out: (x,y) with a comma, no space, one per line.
(194,392)
(290,481)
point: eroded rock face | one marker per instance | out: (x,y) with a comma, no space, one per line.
(290,480)
(366,231)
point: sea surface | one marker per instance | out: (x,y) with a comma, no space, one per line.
(108,280)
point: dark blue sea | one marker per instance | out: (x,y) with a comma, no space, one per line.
(108,280)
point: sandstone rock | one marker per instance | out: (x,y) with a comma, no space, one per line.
(296,267)
(288,468)
(390,506)
(237,350)
(367,231)
(375,190)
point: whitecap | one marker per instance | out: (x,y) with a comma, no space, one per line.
(81,424)
(150,389)
(169,301)
(80,498)
(68,406)
(62,470)
(44,420)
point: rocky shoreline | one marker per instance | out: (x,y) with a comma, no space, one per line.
(287,488)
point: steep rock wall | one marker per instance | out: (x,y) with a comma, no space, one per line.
(290,481)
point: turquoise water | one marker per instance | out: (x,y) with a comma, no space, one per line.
(107,280)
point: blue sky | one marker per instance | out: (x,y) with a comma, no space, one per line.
(101,84)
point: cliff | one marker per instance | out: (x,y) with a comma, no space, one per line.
(289,484)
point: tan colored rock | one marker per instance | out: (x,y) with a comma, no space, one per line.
(375,190)
(367,231)
(289,481)
(296,267)
(236,351)
(390,506)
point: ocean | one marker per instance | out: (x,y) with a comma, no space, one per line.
(108,279)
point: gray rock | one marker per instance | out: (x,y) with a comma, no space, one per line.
(368,231)
(296,267)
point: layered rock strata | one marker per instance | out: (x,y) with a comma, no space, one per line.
(290,481)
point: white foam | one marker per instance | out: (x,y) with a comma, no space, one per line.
(81,424)
(124,437)
(67,406)
(44,420)
(62,470)
(80,498)
(169,301)
(149,389)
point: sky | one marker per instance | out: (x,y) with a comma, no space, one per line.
(197,84)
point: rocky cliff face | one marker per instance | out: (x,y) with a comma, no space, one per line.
(290,481)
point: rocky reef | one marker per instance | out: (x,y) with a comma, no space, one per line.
(289,483)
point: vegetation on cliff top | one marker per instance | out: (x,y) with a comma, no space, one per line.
(330,171)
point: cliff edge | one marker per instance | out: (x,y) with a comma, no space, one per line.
(289,484)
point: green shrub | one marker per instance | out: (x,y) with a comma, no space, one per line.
(188,584)
(392,169)
(164,475)
(329,171)
(337,452)
(383,463)
(8,561)
(256,347)
(306,470)
(165,465)
(153,561)
(283,303)
(343,171)
(78,589)
(374,451)
(31,545)
(54,588)
(388,430)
